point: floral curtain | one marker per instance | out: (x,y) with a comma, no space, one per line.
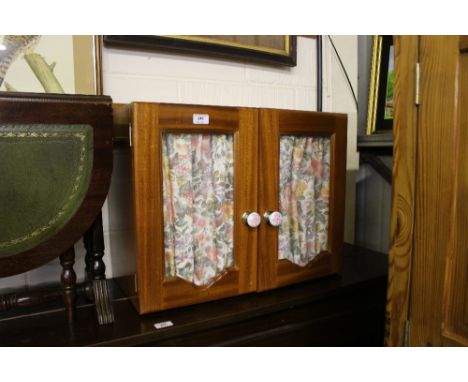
(304,197)
(198,172)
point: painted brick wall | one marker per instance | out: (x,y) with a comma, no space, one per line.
(136,76)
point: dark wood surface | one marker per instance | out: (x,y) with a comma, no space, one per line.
(339,310)
(64,109)
(381,140)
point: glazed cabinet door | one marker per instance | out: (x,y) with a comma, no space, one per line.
(195,178)
(301,195)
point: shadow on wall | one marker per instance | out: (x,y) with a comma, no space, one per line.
(373,207)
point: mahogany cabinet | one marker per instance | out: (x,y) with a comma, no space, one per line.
(229,201)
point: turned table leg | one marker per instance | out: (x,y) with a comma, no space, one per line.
(68,279)
(96,271)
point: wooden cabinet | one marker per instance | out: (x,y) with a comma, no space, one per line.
(218,214)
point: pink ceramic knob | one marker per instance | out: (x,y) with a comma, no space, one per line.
(252,219)
(274,218)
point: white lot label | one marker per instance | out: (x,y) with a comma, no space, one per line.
(201,119)
(164,324)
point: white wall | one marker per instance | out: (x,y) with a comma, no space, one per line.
(141,76)
(339,99)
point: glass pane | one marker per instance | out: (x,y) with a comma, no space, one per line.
(198,174)
(304,197)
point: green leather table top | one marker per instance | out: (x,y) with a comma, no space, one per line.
(45,172)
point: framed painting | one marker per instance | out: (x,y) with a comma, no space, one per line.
(381,103)
(266,49)
(50,64)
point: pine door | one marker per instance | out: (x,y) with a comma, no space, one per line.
(427,295)
(195,178)
(301,195)
(455,297)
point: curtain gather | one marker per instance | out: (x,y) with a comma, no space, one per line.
(198,198)
(304,197)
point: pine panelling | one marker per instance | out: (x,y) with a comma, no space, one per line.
(434,185)
(455,325)
(404,168)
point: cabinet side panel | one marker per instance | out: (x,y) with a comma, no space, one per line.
(147,198)
(337,192)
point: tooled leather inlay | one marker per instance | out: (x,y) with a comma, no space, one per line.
(45,175)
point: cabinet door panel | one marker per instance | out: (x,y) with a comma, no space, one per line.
(302,176)
(192,183)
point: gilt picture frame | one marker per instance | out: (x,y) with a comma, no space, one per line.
(381,102)
(271,50)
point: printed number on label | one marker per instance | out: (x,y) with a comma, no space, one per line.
(201,119)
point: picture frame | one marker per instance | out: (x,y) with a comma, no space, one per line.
(271,50)
(51,64)
(381,102)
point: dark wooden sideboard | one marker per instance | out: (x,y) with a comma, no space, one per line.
(345,310)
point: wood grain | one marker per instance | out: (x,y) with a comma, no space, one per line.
(149,123)
(272,272)
(404,172)
(428,275)
(148,221)
(455,322)
(434,185)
